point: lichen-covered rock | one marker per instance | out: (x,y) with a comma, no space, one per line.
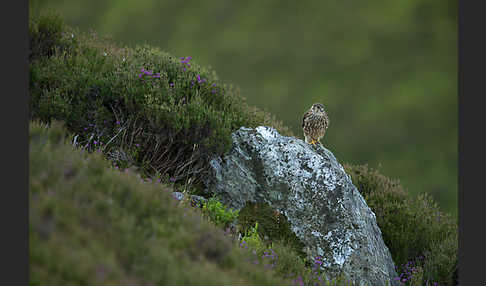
(308,185)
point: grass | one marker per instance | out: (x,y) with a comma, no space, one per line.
(93,225)
(144,107)
(158,119)
(423,240)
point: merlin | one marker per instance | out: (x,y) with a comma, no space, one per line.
(315,123)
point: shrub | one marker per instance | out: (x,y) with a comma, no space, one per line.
(274,226)
(49,35)
(92,225)
(218,214)
(139,106)
(253,240)
(168,116)
(413,228)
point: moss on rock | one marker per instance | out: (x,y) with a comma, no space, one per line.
(272,225)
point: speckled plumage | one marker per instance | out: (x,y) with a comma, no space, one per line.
(315,123)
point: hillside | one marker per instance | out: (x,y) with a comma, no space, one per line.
(386,72)
(93,225)
(161,118)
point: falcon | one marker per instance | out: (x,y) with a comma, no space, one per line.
(314,123)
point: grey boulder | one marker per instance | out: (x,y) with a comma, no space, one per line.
(308,185)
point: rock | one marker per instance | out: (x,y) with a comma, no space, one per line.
(308,185)
(195,200)
(178,196)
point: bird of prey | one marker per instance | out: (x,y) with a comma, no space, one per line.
(314,123)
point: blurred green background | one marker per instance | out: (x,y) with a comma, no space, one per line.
(385,70)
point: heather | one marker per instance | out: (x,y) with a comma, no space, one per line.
(422,239)
(91,224)
(138,124)
(143,107)
(386,71)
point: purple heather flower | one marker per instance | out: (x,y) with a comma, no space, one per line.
(199,79)
(186,59)
(172,179)
(118,122)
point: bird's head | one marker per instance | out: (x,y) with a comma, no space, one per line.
(318,108)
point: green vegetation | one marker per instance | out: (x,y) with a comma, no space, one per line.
(92,225)
(417,233)
(157,116)
(285,261)
(386,71)
(252,240)
(273,225)
(46,36)
(219,214)
(140,106)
